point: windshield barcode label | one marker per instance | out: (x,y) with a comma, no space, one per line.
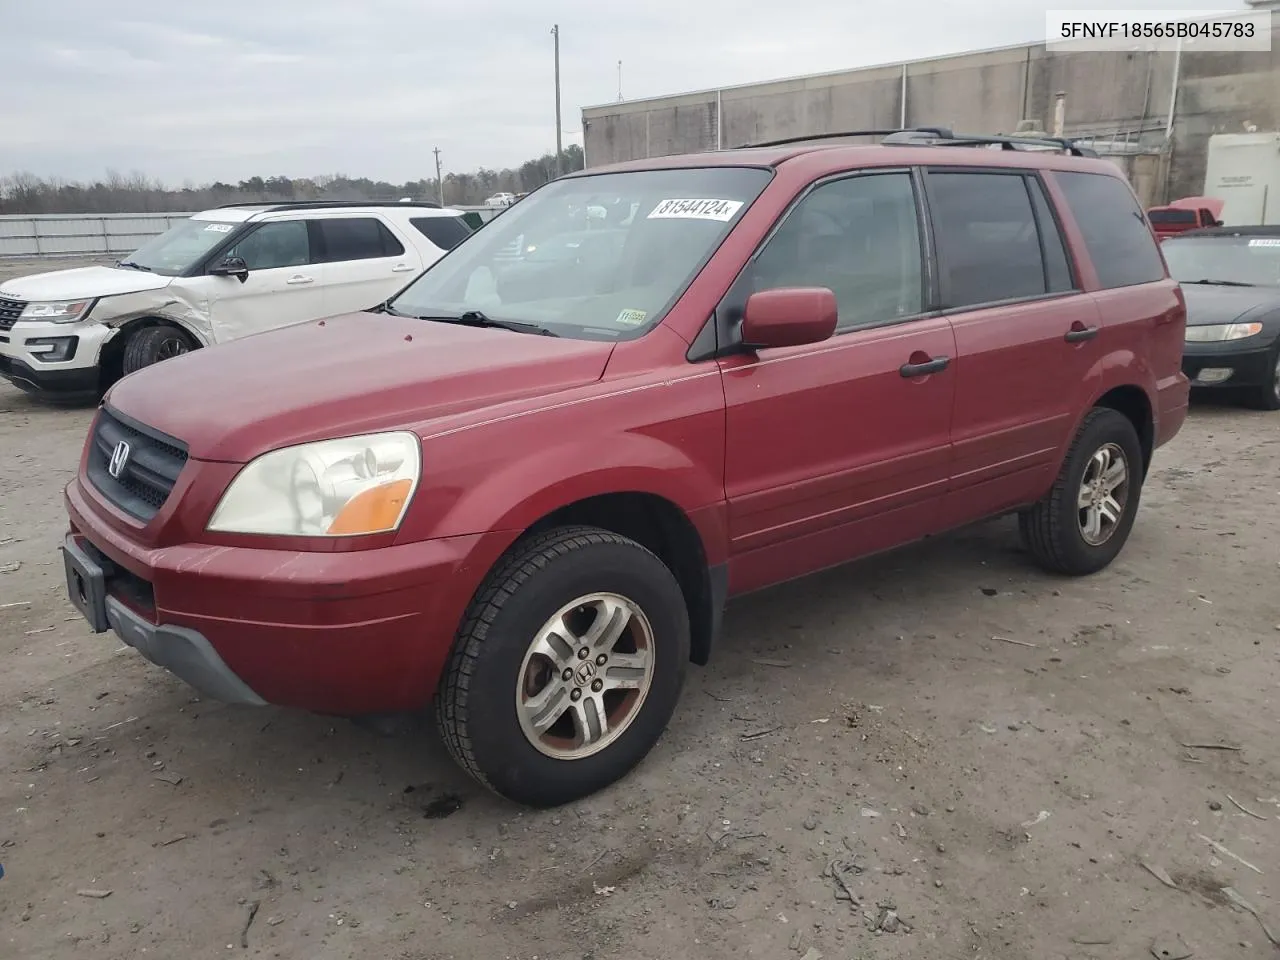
(722,210)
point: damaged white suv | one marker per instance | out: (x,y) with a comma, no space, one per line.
(223,274)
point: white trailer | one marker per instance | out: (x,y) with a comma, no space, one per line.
(1243,170)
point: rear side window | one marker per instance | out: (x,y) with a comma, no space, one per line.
(445,232)
(1116,235)
(357,238)
(1057,268)
(989,245)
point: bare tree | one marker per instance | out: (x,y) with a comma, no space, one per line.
(24,192)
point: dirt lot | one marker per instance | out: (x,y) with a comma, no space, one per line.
(990,753)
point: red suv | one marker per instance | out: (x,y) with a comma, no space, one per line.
(524,487)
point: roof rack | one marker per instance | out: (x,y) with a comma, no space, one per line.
(940,136)
(279,205)
(940,132)
(919,137)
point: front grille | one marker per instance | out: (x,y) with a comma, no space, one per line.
(151,464)
(10,311)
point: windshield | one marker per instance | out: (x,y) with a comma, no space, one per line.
(597,257)
(1251,260)
(179,248)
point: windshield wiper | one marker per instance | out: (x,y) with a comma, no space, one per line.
(1221,283)
(475,318)
(133,266)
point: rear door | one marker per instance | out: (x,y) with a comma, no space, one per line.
(285,284)
(1027,338)
(839,449)
(1142,311)
(366,262)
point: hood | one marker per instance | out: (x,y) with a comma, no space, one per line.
(1208,304)
(82,283)
(352,374)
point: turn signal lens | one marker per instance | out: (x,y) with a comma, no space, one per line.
(373,510)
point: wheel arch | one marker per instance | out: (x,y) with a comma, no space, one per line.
(111,359)
(662,527)
(1134,403)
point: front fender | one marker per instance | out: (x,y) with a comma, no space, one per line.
(512,493)
(167,305)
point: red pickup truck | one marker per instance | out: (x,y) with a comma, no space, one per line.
(525,487)
(1189,213)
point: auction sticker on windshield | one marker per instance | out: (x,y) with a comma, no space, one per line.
(722,210)
(631,318)
(218,228)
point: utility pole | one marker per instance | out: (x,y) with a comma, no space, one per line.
(439,179)
(619,81)
(555,32)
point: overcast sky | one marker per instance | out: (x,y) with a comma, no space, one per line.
(183,90)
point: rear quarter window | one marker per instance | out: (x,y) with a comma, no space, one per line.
(445,232)
(1116,235)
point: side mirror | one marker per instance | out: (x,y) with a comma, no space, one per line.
(788,317)
(231,267)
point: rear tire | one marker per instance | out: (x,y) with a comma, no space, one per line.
(520,708)
(1267,397)
(153,344)
(1084,522)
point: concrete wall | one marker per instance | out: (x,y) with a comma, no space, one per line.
(1108,95)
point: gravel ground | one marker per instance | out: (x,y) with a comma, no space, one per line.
(989,761)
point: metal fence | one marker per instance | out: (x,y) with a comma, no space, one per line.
(56,235)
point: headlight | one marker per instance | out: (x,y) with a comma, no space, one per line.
(1222,331)
(57,311)
(332,488)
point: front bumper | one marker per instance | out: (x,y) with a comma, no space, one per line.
(1250,365)
(74,384)
(184,653)
(345,633)
(25,357)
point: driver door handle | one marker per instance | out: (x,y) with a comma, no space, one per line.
(300,279)
(1079,334)
(401,268)
(910,370)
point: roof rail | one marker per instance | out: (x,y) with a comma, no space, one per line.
(986,140)
(940,132)
(279,205)
(937,136)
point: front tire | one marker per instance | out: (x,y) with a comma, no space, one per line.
(1267,396)
(153,344)
(522,709)
(1084,522)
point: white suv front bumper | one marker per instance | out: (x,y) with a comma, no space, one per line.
(53,358)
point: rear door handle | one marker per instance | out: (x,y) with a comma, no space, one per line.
(300,279)
(937,364)
(1081,334)
(401,268)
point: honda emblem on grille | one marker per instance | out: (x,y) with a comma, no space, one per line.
(119,457)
